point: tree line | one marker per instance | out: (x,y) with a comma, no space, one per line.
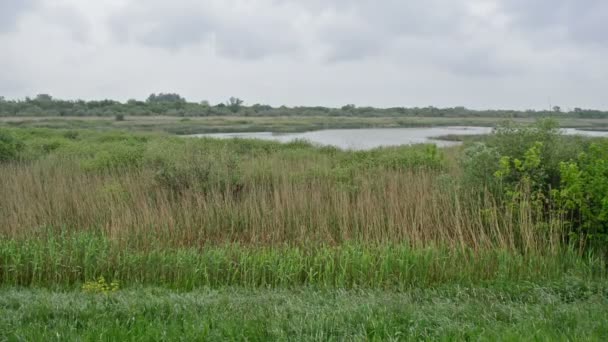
(172,104)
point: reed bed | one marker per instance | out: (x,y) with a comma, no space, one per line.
(417,207)
(151,209)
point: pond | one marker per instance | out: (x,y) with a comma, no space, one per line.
(368,138)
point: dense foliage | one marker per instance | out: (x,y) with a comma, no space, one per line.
(561,177)
(175,105)
(9,146)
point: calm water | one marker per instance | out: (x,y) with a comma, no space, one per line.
(368,138)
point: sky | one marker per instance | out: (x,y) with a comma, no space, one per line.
(482,54)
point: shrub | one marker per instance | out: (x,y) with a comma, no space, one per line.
(114,156)
(395,158)
(517,154)
(10,146)
(479,164)
(555,175)
(584,194)
(515,141)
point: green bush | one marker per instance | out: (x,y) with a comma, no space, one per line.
(114,156)
(395,158)
(479,163)
(10,146)
(558,175)
(584,194)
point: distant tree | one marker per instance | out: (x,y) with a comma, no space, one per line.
(44,98)
(162,97)
(261,108)
(557,109)
(205,103)
(234,104)
(349,107)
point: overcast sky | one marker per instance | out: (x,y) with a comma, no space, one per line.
(475,53)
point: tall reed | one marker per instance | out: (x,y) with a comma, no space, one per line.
(274,203)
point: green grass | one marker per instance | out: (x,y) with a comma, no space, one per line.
(67,261)
(571,310)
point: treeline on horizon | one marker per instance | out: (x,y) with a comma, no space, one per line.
(171,104)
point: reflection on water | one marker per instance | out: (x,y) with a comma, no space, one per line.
(368,138)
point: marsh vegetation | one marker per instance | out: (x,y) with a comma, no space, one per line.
(517,219)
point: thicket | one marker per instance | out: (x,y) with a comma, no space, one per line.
(175,105)
(560,177)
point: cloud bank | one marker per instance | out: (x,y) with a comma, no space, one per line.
(476,53)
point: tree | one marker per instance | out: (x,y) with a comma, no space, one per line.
(557,109)
(44,98)
(234,104)
(167,98)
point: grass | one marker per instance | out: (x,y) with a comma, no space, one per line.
(218,124)
(242,239)
(565,311)
(66,261)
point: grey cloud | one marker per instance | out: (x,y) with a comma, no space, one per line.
(441,51)
(174,33)
(11,10)
(479,63)
(235,32)
(372,28)
(347,30)
(69,19)
(431,32)
(580,21)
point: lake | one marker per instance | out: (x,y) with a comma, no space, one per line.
(368,138)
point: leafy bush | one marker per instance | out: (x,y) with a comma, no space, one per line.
(114,156)
(516,141)
(395,158)
(10,146)
(557,175)
(479,164)
(584,193)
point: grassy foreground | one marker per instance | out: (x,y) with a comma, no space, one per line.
(565,311)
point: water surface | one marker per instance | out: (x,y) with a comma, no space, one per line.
(368,138)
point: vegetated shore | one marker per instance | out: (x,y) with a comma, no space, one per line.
(226,124)
(129,235)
